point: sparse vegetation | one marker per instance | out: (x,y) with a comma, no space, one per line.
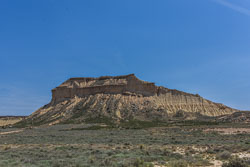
(235,162)
(178,163)
(225,155)
(128,144)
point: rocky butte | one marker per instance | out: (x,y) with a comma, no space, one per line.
(120,98)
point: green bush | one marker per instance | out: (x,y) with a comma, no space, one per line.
(225,155)
(235,162)
(141,163)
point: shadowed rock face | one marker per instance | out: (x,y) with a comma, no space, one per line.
(121,98)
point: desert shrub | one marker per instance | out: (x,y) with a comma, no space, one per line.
(94,127)
(235,162)
(179,113)
(59,163)
(217,150)
(7,148)
(190,151)
(179,163)
(138,124)
(172,155)
(91,159)
(101,119)
(225,155)
(56,164)
(197,160)
(246,160)
(142,146)
(106,162)
(140,163)
(210,151)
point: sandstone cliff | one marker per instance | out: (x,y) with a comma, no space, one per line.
(120,98)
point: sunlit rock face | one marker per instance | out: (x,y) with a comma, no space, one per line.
(120,98)
(82,87)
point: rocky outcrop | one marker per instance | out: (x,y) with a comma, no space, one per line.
(237,117)
(120,98)
(82,87)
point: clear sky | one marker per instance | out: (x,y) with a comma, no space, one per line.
(197,46)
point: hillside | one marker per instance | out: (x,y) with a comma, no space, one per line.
(9,120)
(119,98)
(237,117)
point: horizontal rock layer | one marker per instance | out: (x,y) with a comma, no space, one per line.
(81,87)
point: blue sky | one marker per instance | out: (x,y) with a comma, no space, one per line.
(198,46)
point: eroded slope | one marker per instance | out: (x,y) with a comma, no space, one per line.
(119,98)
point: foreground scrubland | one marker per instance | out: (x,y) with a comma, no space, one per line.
(138,144)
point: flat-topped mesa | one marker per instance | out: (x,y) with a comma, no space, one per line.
(121,98)
(126,84)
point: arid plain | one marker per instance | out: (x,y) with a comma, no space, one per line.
(125,122)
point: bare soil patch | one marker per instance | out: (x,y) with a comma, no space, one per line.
(9,132)
(229,130)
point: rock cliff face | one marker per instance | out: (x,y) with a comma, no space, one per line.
(82,87)
(120,98)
